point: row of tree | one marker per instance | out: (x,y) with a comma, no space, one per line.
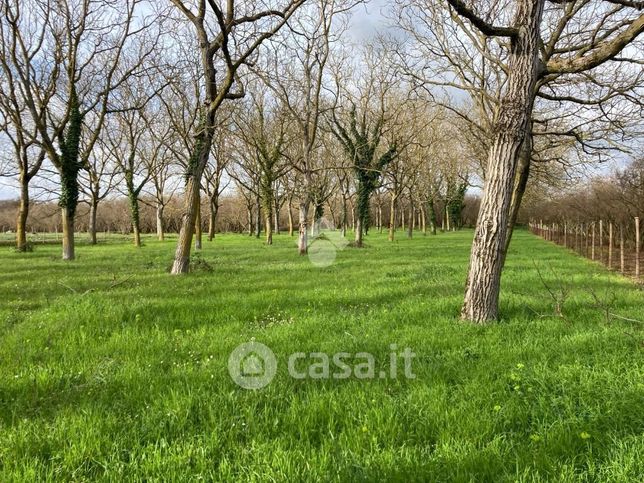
(268,99)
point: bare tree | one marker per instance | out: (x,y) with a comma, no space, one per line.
(228,35)
(595,40)
(262,131)
(96,181)
(296,72)
(68,97)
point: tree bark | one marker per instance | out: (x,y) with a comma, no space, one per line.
(423,219)
(23,213)
(303,219)
(258,217)
(212,220)
(523,174)
(160,227)
(198,230)
(290,218)
(486,262)
(93,212)
(276,217)
(134,214)
(181,263)
(392,218)
(249,216)
(268,227)
(68,234)
(358,233)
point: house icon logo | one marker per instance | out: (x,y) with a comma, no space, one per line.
(252,365)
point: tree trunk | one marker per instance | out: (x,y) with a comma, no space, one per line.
(358,233)
(525,158)
(137,235)
(198,230)
(93,209)
(276,217)
(212,220)
(290,218)
(23,213)
(345,215)
(268,226)
(412,221)
(432,216)
(486,262)
(136,219)
(423,219)
(303,219)
(403,213)
(258,217)
(160,228)
(182,254)
(392,218)
(68,234)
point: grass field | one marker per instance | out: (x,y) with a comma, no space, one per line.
(110,369)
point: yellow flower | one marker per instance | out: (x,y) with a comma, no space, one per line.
(520,366)
(584,435)
(497,408)
(364,429)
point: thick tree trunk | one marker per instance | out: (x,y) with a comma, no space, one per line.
(486,261)
(136,221)
(160,227)
(93,212)
(302,243)
(358,233)
(68,234)
(182,254)
(23,213)
(137,235)
(268,227)
(412,221)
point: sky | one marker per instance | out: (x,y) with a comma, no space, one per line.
(367,20)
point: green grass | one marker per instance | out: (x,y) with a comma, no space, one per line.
(110,369)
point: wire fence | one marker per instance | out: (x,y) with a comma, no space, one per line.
(618,245)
